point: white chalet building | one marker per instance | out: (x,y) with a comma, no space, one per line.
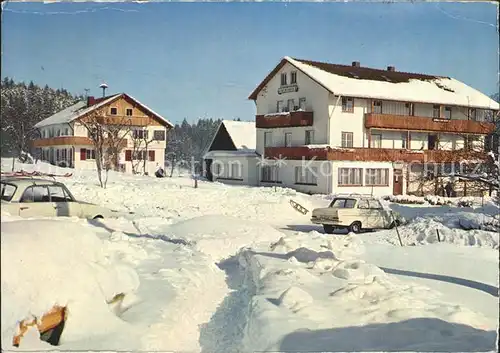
(327,128)
(142,134)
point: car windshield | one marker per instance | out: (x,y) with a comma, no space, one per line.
(8,191)
(343,203)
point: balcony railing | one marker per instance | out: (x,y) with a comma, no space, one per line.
(289,119)
(419,123)
(69,140)
(372,154)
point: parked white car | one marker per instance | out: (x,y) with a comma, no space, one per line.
(355,213)
(33,197)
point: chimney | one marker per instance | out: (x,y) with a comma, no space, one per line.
(391,68)
(356,64)
(103,86)
(90,101)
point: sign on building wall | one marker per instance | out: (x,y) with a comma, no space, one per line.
(288,89)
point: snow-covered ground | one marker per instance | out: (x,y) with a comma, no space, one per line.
(236,269)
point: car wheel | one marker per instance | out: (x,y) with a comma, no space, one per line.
(328,228)
(355,227)
(98,217)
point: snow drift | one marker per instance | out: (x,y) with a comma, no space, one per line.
(53,262)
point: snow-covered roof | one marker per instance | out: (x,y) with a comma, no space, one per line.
(236,154)
(371,83)
(243,133)
(80,108)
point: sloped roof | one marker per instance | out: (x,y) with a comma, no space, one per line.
(243,133)
(80,108)
(364,82)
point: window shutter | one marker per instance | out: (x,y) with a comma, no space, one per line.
(83,154)
(128,155)
(151,156)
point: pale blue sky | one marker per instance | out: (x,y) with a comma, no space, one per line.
(190,60)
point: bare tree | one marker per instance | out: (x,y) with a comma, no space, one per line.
(141,141)
(107,135)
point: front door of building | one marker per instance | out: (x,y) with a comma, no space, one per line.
(208,171)
(397,184)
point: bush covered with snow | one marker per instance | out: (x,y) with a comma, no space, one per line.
(405,199)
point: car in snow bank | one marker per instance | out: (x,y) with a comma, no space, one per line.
(37,197)
(355,213)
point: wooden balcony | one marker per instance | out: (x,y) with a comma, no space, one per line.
(123,120)
(291,119)
(372,154)
(420,123)
(62,140)
(68,140)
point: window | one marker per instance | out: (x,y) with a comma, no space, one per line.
(283,79)
(36,194)
(363,204)
(270,173)
(293,77)
(377,177)
(447,112)
(376,141)
(472,114)
(288,139)
(350,177)
(43,133)
(302,104)
(64,154)
(159,135)
(279,106)
(436,111)
(268,139)
(114,111)
(309,137)
(8,190)
(410,109)
(151,155)
(140,155)
(129,112)
(66,132)
(140,134)
(58,194)
(291,105)
(377,107)
(58,132)
(374,205)
(404,140)
(347,138)
(348,104)
(343,203)
(235,170)
(90,154)
(306,175)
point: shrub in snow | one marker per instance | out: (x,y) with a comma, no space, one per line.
(405,199)
(438,200)
(47,263)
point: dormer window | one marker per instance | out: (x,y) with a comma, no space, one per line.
(293,78)
(283,79)
(114,111)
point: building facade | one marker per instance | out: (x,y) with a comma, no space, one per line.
(326,128)
(230,157)
(139,134)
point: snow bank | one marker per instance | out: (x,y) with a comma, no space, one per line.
(47,263)
(221,236)
(330,298)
